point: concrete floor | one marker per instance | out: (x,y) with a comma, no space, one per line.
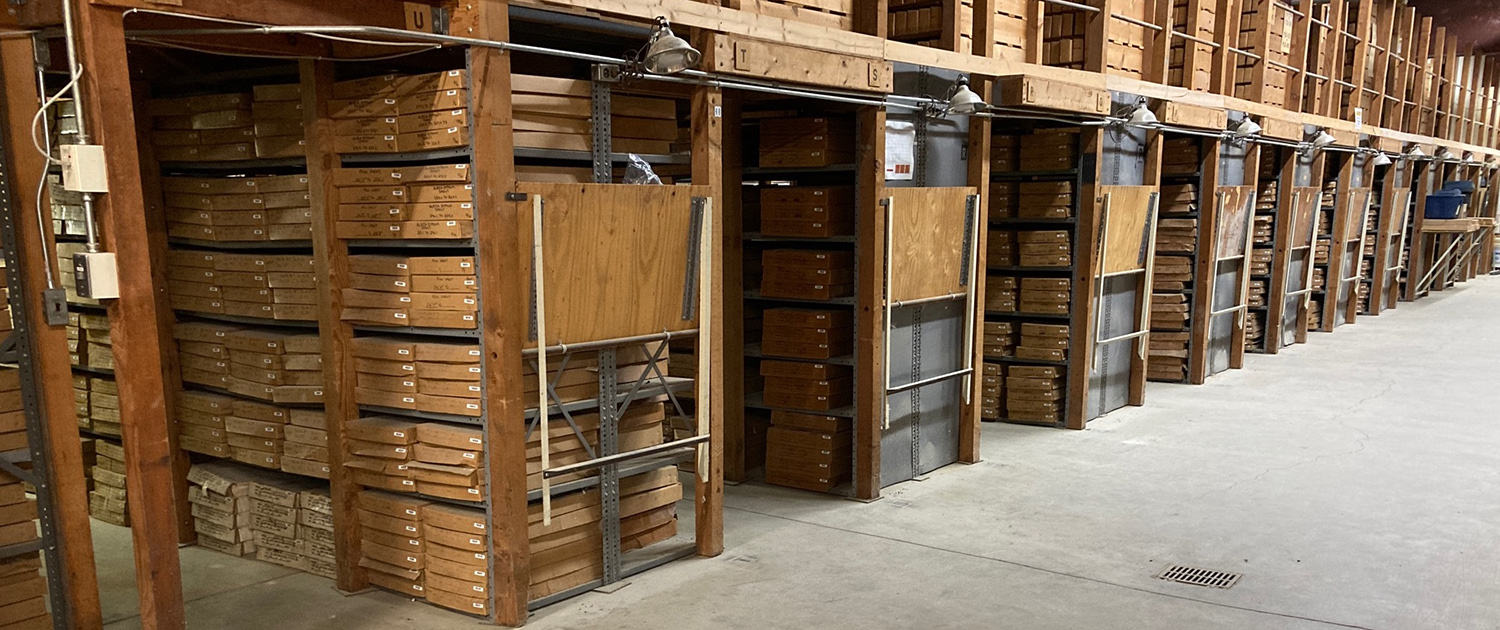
(1353,481)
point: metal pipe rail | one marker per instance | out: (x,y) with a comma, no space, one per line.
(1441,261)
(896,389)
(600,462)
(562,348)
(1215,45)
(1144,311)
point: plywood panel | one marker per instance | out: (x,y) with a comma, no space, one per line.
(615,258)
(1354,216)
(1233,224)
(1128,232)
(927,241)
(1303,225)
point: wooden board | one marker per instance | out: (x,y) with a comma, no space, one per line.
(1233,221)
(1304,225)
(1031,91)
(1129,229)
(737,54)
(927,241)
(1184,115)
(616,258)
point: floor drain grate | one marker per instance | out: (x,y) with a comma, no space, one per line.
(1199,577)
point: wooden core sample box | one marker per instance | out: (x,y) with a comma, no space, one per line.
(107,501)
(555,113)
(406,202)
(401,113)
(271,364)
(238,209)
(1033,394)
(809,451)
(806,142)
(229,126)
(282,519)
(264,286)
(421,291)
(807,211)
(23,590)
(807,274)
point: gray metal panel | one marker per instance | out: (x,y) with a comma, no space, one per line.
(1221,327)
(1109,376)
(1295,281)
(924,422)
(1232,163)
(1123,162)
(1302,174)
(943,160)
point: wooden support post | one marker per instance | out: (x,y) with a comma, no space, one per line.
(978,177)
(1260,44)
(1297,82)
(869,164)
(1205,268)
(48,348)
(1276,293)
(872,17)
(1096,37)
(1358,68)
(708,123)
(1228,35)
(332,258)
(1417,259)
(155,216)
(1081,330)
(134,320)
(501,241)
(984,29)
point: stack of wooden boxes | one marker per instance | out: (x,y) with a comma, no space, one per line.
(921,21)
(1000,292)
(1172,273)
(12,411)
(1043,248)
(554,113)
(207,127)
(1012,26)
(1046,296)
(421,291)
(68,217)
(1044,343)
(806,142)
(88,340)
(23,590)
(999,339)
(238,209)
(405,202)
(278,115)
(107,501)
(808,450)
(269,364)
(1276,29)
(807,211)
(428,376)
(992,392)
(1034,394)
(807,274)
(401,113)
(1048,150)
(97,403)
(201,422)
(1125,55)
(264,286)
(283,520)
(1045,200)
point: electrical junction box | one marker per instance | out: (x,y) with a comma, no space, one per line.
(95,275)
(83,168)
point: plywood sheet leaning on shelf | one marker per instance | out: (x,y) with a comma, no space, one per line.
(1129,229)
(1234,221)
(616,258)
(927,241)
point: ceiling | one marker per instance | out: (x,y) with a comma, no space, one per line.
(1473,21)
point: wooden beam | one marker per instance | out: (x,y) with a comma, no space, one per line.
(332,257)
(1081,330)
(731,276)
(501,240)
(155,214)
(869,346)
(133,321)
(48,349)
(1205,269)
(708,153)
(980,134)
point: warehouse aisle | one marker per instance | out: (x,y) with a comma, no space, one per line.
(1353,481)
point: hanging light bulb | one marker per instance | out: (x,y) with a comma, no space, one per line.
(962,100)
(1468,156)
(1415,152)
(1381,159)
(1141,116)
(1444,154)
(1322,139)
(666,53)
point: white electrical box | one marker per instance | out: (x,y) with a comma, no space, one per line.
(95,275)
(83,168)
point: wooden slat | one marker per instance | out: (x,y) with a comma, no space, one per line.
(134,321)
(49,351)
(733,54)
(979,177)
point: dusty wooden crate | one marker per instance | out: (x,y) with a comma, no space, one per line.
(1266,30)
(945,24)
(1191,62)
(837,14)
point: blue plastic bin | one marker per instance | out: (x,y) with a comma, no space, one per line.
(1444,204)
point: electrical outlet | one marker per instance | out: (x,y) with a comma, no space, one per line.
(55,305)
(96,276)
